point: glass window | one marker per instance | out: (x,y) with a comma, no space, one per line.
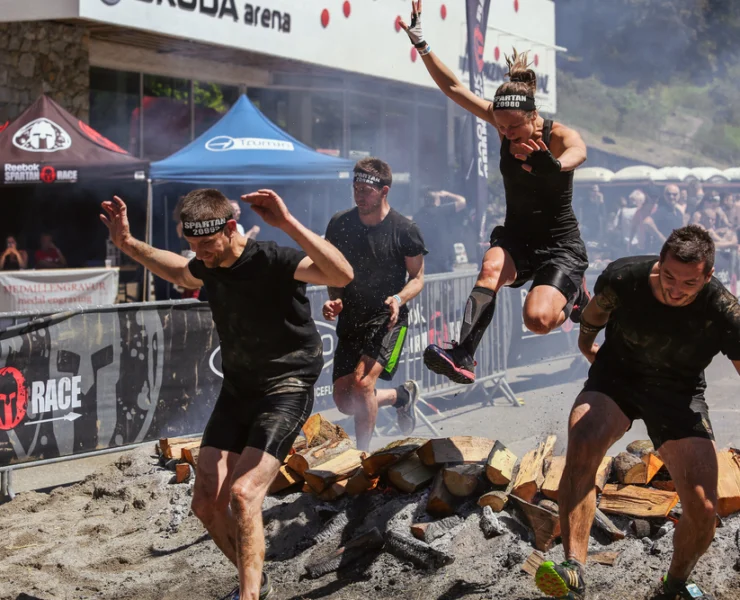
(327,116)
(166,116)
(114,98)
(212,101)
(364,126)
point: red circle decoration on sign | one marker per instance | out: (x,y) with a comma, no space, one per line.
(347,8)
(443,12)
(479,44)
(496,53)
(398,23)
(414,54)
(516,5)
(99,139)
(48,174)
(324,18)
(536,60)
(13,398)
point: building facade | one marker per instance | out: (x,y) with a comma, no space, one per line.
(339,75)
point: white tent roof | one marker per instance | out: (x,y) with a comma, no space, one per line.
(732,174)
(635,173)
(592,175)
(668,174)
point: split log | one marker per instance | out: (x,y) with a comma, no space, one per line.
(728,483)
(553,476)
(666,486)
(306,489)
(546,524)
(500,464)
(298,444)
(490,525)
(640,447)
(360,483)
(644,471)
(603,558)
(441,503)
(496,500)
(380,460)
(623,463)
(311,458)
(531,477)
(455,450)
(602,475)
(533,563)
(337,469)
(285,478)
(604,524)
(428,532)
(183,472)
(462,480)
(415,551)
(318,431)
(635,501)
(334,491)
(347,554)
(172,447)
(190,455)
(410,474)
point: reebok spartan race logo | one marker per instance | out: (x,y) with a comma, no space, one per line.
(253,15)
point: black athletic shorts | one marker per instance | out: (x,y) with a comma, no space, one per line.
(668,415)
(268,423)
(374,340)
(559,264)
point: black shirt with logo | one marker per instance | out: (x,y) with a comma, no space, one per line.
(269,342)
(378,256)
(665,346)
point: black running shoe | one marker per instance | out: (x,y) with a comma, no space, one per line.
(406,414)
(265,590)
(454,363)
(561,581)
(688,591)
(580,303)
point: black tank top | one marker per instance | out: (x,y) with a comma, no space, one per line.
(538,209)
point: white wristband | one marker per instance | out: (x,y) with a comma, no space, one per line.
(397,298)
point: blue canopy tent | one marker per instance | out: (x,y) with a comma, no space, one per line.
(245,148)
(245,151)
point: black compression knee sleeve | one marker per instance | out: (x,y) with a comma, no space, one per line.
(477,318)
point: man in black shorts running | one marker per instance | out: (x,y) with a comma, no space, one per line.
(540,240)
(386,251)
(271,356)
(666,318)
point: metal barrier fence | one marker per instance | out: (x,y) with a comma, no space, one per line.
(435,317)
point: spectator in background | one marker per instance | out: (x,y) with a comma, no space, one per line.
(435,219)
(13,259)
(252,233)
(732,210)
(593,214)
(694,196)
(625,216)
(710,215)
(665,219)
(640,233)
(48,256)
(683,202)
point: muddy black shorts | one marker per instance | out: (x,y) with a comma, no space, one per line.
(668,415)
(374,340)
(559,264)
(268,423)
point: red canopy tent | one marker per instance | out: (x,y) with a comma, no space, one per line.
(46,144)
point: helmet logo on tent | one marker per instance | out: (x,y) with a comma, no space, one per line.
(42,135)
(224,143)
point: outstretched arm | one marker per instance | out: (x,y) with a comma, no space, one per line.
(167,265)
(574,149)
(442,76)
(324,265)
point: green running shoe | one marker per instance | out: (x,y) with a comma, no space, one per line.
(561,581)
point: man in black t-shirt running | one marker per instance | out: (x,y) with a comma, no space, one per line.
(386,251)
(271,355)
(666,318)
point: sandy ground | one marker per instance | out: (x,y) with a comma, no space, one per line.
(126,532)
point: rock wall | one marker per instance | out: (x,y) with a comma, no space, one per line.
(42,57)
